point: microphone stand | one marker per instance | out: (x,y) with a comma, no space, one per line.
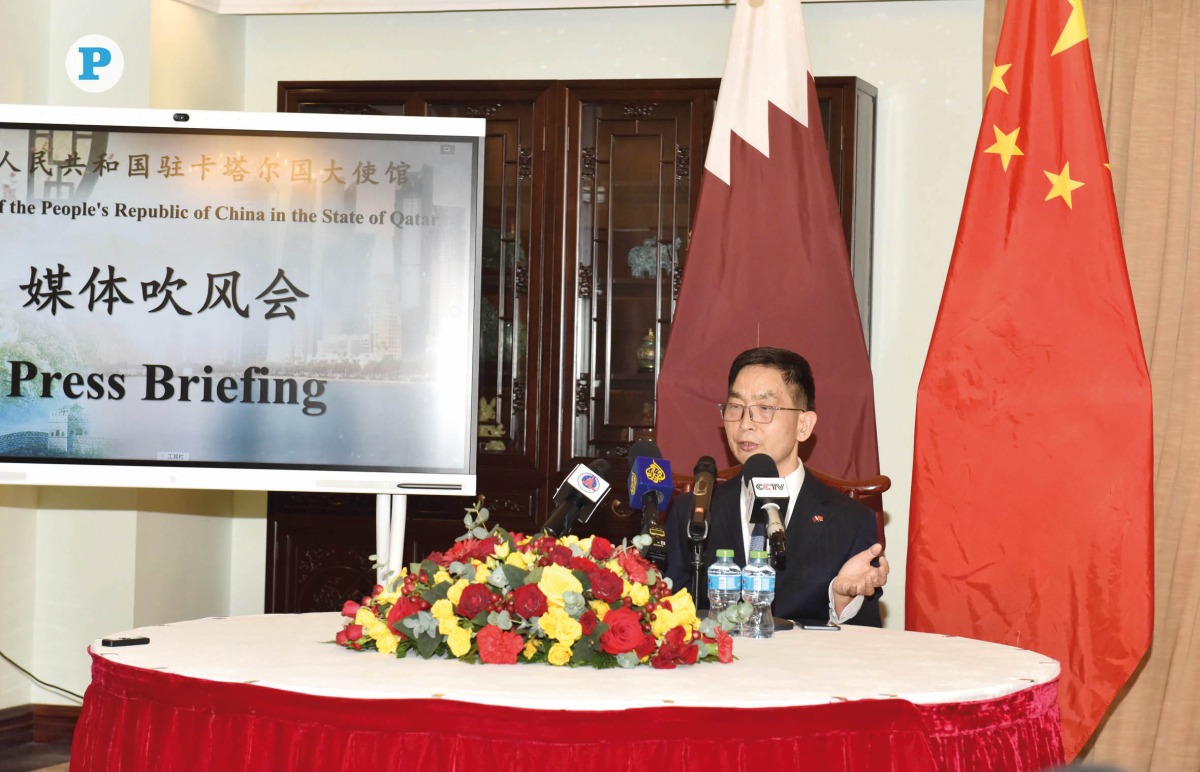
(698,540)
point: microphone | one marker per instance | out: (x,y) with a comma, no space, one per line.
(650,489)
(580,493)
(705,476)
(770,496)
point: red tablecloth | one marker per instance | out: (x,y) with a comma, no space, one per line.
(140,719)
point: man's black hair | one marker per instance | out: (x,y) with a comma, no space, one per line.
(794,368)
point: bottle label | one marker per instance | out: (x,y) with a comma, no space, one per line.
(724,582)
(758,582)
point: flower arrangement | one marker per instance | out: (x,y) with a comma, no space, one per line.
(503,598)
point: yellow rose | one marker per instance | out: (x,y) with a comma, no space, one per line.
(684,608)
(456,590)
(441,576)
(555,581)
(640,594)
(376,628)
(662,621)
(600,607)
(364,616)
(386,642)
(518,559)
(387,598)
(459,640)
(550,621)
(532,647)
(560,654)
(569,631)
(682,613)
(586,545)
(481,575)
(501,551)
(558,624)
(442,609)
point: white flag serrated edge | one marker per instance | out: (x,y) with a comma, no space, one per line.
(768,62)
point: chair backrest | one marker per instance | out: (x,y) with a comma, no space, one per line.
(868,491)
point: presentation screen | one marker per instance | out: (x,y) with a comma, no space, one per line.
(239,300)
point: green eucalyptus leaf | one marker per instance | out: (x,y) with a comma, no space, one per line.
(515,576)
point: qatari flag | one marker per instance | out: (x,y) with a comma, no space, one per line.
(767,262)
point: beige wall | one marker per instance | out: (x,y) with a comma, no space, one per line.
(83,563)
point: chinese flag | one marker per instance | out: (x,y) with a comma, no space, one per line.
(767,263)
(1032,514)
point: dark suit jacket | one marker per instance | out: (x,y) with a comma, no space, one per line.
(826,529)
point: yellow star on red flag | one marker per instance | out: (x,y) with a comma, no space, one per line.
(1061,184)
(997,79)
(1006,145)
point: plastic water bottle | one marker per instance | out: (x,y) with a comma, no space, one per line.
(758,589)
(724,583)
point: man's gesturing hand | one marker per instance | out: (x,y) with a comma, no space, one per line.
(859,577)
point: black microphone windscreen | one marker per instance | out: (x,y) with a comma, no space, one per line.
(644,449)
(705,464)
(602,468)
(759,465)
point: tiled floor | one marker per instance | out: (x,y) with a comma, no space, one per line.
(34,756)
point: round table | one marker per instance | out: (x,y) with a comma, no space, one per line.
(272,692)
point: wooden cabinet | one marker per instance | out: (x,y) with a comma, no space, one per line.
(589,188)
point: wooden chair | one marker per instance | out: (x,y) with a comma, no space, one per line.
(869,491)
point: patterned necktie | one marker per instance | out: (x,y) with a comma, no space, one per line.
(758,537)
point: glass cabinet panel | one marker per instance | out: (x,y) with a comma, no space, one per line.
(635,191)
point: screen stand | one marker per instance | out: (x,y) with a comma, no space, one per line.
(391,513)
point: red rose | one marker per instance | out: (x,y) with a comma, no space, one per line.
(607,586)
(624,631)
(475,598)
(529,601)
(584,565)
(602,549)
(646,647)
(588,622)
(349,636)
(724,646)
(635,565)
(497,647)
(662,661)
(405,607)
(350,609)
(674,650)
(560,555)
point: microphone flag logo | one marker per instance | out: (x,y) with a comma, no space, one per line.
(590,482)
(655,473)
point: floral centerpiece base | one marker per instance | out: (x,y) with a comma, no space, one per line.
(504,598)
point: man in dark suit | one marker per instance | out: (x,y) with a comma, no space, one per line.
(830,537)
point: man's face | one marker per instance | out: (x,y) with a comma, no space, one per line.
(762,385)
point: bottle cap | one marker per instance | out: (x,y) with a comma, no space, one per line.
(723,553)
(759,554)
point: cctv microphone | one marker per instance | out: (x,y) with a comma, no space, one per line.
(705,478)
(650,489)
(770,499)
(580,492)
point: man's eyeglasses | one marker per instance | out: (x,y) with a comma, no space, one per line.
(759,414)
